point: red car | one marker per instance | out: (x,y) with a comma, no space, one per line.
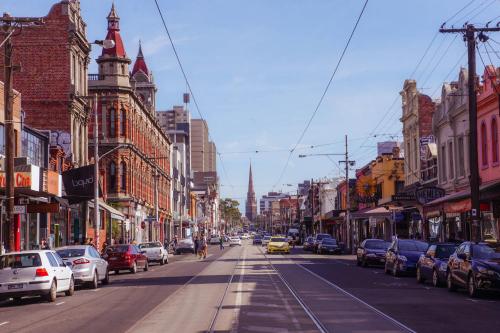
(125,257)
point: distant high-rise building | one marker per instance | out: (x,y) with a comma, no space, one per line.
(251,204)
(199,144)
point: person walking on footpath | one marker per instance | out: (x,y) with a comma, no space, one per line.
(203,247)
(221,242)
(196,246)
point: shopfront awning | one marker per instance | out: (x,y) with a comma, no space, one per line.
(115,214)
(377,212)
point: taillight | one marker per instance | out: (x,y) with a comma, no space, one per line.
(81,261)
(41,272)
(127,256)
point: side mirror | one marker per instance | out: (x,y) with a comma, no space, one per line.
(462,256)
(392,250)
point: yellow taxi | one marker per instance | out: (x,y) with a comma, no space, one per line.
(278,244)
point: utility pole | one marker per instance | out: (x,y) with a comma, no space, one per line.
(9,25)
(348,197)
(469,31)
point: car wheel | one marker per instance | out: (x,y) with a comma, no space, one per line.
(472,286)
(117,272)
(16,300)
(435,278)
(395,272)
(133,270)
(71,289)
(358,263)
(146,267)
(162,261)
(420,278)
(449,282)
(52,295)
(95,281)
(106,278)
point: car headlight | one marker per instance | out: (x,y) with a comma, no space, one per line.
(371,255)
(443,267)
(402,258)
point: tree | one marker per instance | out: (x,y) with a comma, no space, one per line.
(230,211)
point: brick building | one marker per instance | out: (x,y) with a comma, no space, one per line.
(136,177)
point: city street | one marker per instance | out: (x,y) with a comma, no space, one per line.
(243,290)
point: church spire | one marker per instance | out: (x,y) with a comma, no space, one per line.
(250,180)
(251,204)
(114,35)
(140,63)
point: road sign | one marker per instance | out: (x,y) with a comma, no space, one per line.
(18,209)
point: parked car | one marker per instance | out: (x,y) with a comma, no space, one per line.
(34,273)
(265,240)
(257,239)
(402,256)
(308,244)
(126,257)
(214,240)
(278,244)
(234,240)
(245,236)
(86,263)
(372,252)
(329,245)
(155,252)
(434,263)
(475,266)
(185,245)
(317,239)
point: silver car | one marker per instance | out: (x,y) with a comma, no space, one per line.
(86,263)
(155,252)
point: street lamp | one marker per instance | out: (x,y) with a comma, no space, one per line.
(105,44)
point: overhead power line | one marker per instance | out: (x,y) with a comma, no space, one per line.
(324,92)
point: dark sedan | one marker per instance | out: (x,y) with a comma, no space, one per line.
(371,252)
(403,255)
(308,244)
(329,246)
(257,239)
(434,264)
(475,266)
(317,239)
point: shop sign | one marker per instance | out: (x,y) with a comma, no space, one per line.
(403,197)
(54,185)
(428,194)
(79,184)
(18,209)
(372,222)
(21,179)
(43,208)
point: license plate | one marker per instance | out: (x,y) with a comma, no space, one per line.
(113,258)
(382,260)
(15,286)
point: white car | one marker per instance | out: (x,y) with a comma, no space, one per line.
(155,252)
(214,240)
(245,236)
(86,263)
(265,240)
(234,240)
(34,273)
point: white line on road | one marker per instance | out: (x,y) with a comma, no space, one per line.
(60,303)
(345,292)
(4,323)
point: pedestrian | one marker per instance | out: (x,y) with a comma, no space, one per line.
(294,239)
(44,245)
(203,247)
(221,242)
(104,246)
(196,246)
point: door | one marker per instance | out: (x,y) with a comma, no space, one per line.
(56,271)
(136,252)
(63,270)
(465,265)
(455,262)
(428,262)
(100,264)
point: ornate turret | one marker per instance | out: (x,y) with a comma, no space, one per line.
(143,82)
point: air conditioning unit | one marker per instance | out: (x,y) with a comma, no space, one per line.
(18,161)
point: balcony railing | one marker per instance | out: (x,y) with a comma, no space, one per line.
(95,77)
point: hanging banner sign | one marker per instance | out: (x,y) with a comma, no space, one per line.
(428,194)
(79,184)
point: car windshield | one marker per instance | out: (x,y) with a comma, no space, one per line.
(278,239)
(257,237)
(445,251)
(267,237)
(321,236)
(23,260)
(149,245)
(71,253)
(117,249)
(329,241)
(376,245)
(412,246)
(485,252)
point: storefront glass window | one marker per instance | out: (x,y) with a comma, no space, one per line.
(434,227)
(489,227)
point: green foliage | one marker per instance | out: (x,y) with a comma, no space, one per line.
(229,210)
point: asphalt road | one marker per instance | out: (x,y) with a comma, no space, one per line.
(243,290)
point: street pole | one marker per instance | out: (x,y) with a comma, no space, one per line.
(96,176)
(470,37)
(348,199)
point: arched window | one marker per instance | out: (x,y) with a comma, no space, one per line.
(123,121)
(494,140)
(123,176)
(112,120)
(112,177)
(484,145)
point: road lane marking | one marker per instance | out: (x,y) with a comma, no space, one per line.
(60,303)
(4,323)
(345,292)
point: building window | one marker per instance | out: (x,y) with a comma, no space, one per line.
(34,148)
(450,160)
(2,139)
(123,176)
(123,121)
(461,157)
(415,153)
(112,119)
(494,140)
(112,177)
(484,145)
(443,163)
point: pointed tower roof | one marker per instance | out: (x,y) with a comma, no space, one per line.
(250,181)
(114,35)
(140,63)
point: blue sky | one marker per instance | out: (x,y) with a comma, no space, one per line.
(258,69)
